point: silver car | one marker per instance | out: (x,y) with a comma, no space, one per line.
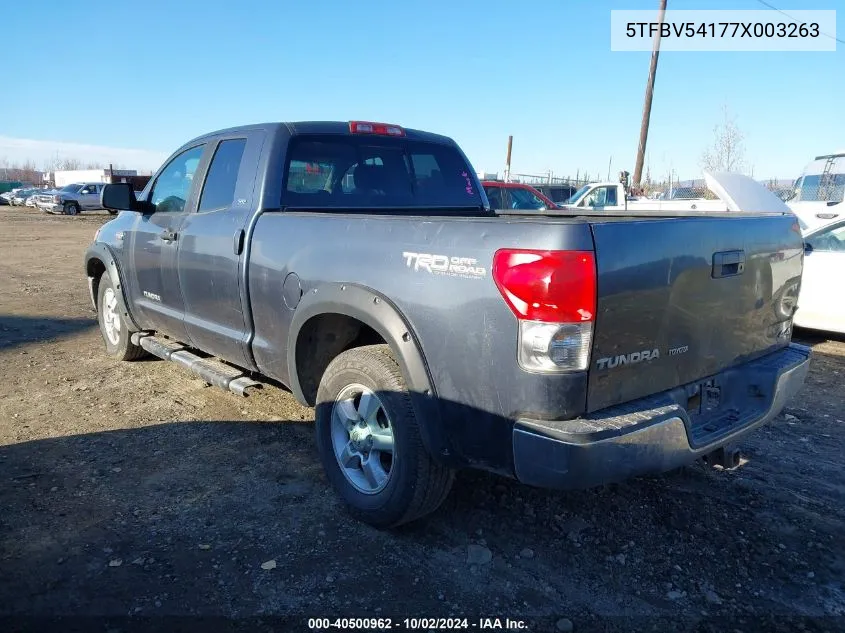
(22,196)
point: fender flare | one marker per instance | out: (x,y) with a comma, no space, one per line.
(375,310)
(102,253)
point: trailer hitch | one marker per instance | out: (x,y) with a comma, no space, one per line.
(727,457)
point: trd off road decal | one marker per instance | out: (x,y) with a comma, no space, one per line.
(465,267)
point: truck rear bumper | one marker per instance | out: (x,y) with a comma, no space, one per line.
(657,433)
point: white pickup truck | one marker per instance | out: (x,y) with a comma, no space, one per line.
(820,191)
(612,196)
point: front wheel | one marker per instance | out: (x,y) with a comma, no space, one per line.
(369,441)
(112,324)
(70,208)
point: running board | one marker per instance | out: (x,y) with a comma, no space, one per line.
(212,371)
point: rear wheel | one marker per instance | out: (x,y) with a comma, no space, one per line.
(369,441)
(112,325)
(70,208)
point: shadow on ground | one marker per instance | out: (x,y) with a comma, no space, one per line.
(814,337)
(235,519)
(22,330)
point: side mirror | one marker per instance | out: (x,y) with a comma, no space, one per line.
(808,248)
(119,197)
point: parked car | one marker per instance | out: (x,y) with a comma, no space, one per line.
(71,199)
(361,265)
(8,196)
(514,195)
(31,200)
(821,303)
(21,197)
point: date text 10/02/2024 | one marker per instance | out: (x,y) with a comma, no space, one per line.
(384,624)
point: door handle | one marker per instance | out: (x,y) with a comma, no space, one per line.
(728,264)
(167,235)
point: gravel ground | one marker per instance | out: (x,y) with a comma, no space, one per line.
(132,491)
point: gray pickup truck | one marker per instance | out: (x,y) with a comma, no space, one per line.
(360,265)
(71,199)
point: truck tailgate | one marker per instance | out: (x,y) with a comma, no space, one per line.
(681,299)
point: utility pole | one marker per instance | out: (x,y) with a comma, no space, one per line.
(649,93)
(508,160)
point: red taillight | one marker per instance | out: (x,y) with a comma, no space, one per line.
(547,286)
(368,127)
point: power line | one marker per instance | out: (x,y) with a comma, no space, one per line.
(766,4)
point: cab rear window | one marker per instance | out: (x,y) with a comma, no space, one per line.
(376,173)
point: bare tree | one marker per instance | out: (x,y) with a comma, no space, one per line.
(23,172)
(69,164)
(727,153)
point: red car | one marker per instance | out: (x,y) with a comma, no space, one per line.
(514,195)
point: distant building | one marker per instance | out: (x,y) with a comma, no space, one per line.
(60,178)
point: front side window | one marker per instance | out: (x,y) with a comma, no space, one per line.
(173,186)
(494,196)
(831,240)
(574,197)
(524,199)
(374,173)
(596,198)
(218,192)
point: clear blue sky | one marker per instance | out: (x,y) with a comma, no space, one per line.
(151,75)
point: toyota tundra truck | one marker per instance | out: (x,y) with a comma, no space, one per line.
(361,265)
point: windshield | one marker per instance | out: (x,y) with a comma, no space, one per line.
(815,188)
(377,172)
(577,194)
(70,188)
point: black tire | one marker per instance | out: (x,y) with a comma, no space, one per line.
(417,484)
(70,208)
(123,349)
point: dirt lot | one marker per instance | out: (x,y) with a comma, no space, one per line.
(133,491)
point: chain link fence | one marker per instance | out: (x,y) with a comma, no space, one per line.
(820,188)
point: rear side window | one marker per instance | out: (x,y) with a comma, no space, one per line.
(340,172)
(219,189)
